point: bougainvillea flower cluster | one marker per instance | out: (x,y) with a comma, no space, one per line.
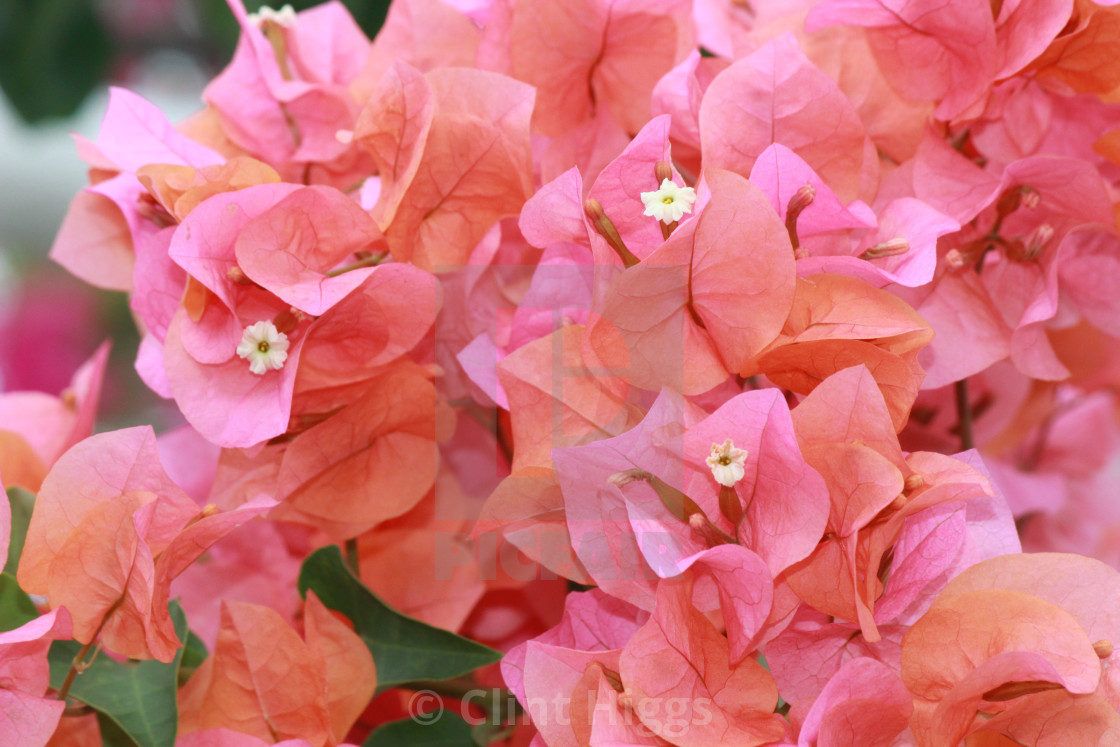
(607,373)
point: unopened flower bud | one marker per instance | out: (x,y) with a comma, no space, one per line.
(1038,240)
(288,319)
(955,258)
(713,535)
(913,482)
(729,505)
(148,208)
(605,228)
(1009,201)
(887,249)
(1103,648)
(801,199)
(236,275)
(625,477)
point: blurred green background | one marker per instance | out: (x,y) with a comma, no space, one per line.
(57,59)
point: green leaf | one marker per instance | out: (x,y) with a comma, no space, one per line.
(52,54)
(138,697)
(16,608)
(22,502)
(111,734)
(448,731)
(369,14)
(195,652)
(404,648)
(193,655)
(222,31)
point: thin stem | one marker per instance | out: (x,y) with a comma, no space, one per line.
(369,261)
(75,668)
(488,419)
(964,415)
(351,549)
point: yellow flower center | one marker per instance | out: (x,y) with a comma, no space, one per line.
(263,346)
(725,460)
(667,200)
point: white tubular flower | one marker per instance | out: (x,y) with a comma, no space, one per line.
(669,203)
(727,463)
(285,17)
(265,347)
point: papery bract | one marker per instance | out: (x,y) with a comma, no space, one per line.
(434,207)
(109,533)
(678,656)
(785,502)
(776,95)
(264,681)
(589,403)
(372,461)
(602,53)
(37,428)
(427,34)
(957,40)
(546,673)
(284,95)
(713,296)
(864,703)
(837,322)
(26,716)
(104,232)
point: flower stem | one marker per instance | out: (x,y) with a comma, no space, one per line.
(351,550)
(75,667)
(369,261)
(964,415)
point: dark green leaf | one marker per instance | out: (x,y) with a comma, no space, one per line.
(195,652)
(486,733)
(111,734)
(222,29)
(404,648)
(52,54)
(369,14)
(16,608)
(139,697)
(448,731)
(193,655)
(22,503)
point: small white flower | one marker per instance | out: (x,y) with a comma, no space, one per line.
(670,202)
(285,17)
(265,347)
(727,463)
